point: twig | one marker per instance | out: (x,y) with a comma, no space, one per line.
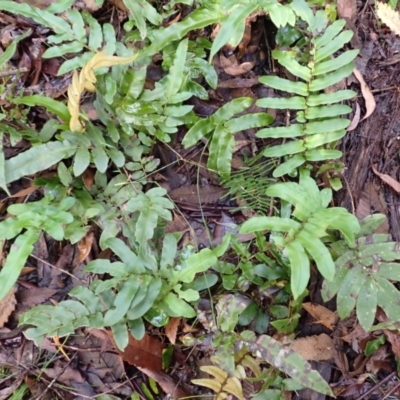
(379,384)
(13,72)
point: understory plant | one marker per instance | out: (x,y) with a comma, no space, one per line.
(151,278)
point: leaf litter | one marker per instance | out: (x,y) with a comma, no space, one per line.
(146,355)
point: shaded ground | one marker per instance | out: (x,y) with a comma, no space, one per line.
(93,366)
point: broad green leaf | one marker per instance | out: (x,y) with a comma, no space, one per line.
(248,121)
(332,78)
(133,81)
(121,335)
(221,149)
(330,289)
(81,161)
(207,70)
(77,24)
(177,307)
(291,103)
(302,9)
(145,226)
(196,132)
(388,298)
(319,253)
(367,303)
(122,301)
(335,97)
(229,110)
(281,15)
(389,271)
(195,264)
(139,308)
(290,131)
(286,360)
(16,259)
(327,111)
(370,223)
(326,126)
(334,45)
(294,194)
(58,51)
(59,6)
(87,297)
(322,154)
(137,12)
(100,158)
(256,224)
(54,106)
(335,63)
(285,85)
(289,165)
(169,250)
(110,40)
(292,65)
(176,74)
(331,31)
(117,157)
(197,19)
(75,63)
(57,24)
(348,292)
(11,48)
(293,147)
(320,139)
(137,328)
(299,267)
(126,255)
(36,159)
(234,21)
(95,32)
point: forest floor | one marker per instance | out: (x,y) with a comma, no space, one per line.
(87,366)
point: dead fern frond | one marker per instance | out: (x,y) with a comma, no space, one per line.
(388,16)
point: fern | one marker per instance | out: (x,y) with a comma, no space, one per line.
(309,223)
(146,287)
(70,35)
(249,183)
(363,275)
(319,125)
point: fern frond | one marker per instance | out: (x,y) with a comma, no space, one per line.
(311,221)
(364,273)
(318,127)
(389,17)
(70,34)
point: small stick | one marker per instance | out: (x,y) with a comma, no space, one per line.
(13,72)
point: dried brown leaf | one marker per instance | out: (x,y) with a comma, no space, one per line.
(7,306)
(233,68)
(84,246)
(191,194)
(88,178)
(35,296)
(25,192)
(172,328)
(388,179)
(389,17)
(370,202)
(347,9)
(356,118)
(370,103)
(145,353)
(317,347)
(323,316)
